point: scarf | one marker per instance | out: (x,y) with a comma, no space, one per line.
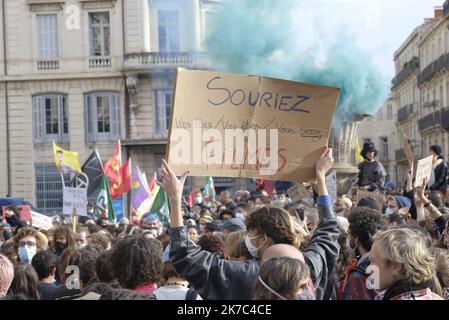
(401,287)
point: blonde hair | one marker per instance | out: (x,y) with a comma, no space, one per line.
(407,247)
(232,244)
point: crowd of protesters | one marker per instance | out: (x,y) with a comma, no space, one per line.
(246,245)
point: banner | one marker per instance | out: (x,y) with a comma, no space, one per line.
(25,212)
(41,221)
(423,170)
(74,198)
(232,125)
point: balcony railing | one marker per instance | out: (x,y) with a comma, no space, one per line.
(99,62)
(408,69)
(435,67)
(400,155)
(148,60)
(47,65)
(438,118)
(405,112)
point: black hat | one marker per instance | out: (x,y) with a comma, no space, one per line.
(437,149)
(368,147)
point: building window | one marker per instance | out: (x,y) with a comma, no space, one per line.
(49,188)
(168,27)
(50,119)
(100,34)
(390,112)
(102,112)
(162,107)
(47,36)
(384,148)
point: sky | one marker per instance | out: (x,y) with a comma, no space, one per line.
(379,26)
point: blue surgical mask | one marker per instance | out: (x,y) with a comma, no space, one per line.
(26,253)
(389,211)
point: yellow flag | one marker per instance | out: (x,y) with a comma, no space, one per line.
(357,150)
(67,161)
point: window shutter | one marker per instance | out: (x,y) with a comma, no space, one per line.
(114,107)
(88,107)
(62,110)
(38,124)
(160,111)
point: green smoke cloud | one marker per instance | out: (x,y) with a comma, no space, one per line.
(275,38)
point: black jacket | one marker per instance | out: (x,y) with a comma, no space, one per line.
(219,279)
(372,174)
(440,176)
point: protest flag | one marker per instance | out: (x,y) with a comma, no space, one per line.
(357,150)
(152,182)
(93,169)
(66,161)
(126,176)
(192,198)
(104,202)
(113,170)
(209,191)
(161,208)
(140,195)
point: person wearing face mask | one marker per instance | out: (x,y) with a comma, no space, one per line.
(27,243)
(242,210)
(398,204)
(364,223)
(283,275)
(62,238)
(44,263)
(81,239)
(216,278)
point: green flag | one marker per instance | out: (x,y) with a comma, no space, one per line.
(104,202)
(209,192)
(161,207)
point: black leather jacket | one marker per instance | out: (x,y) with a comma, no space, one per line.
(219,279)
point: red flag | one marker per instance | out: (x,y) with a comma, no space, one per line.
(192,198)
(126,176)
(268,186)
(152,182)
(112,170)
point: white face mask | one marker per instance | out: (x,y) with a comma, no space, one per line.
(389,211)
(251,248)
(198,199)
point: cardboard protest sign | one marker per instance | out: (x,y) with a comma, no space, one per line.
(331,184)
(74,198)
(424,170)
(41,221)
(298,192)
(232,125)
(367,194)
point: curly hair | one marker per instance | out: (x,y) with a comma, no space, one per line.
(136,261)
(275,223)
(27,232)
(364,223)
(63,232)
(211,243)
